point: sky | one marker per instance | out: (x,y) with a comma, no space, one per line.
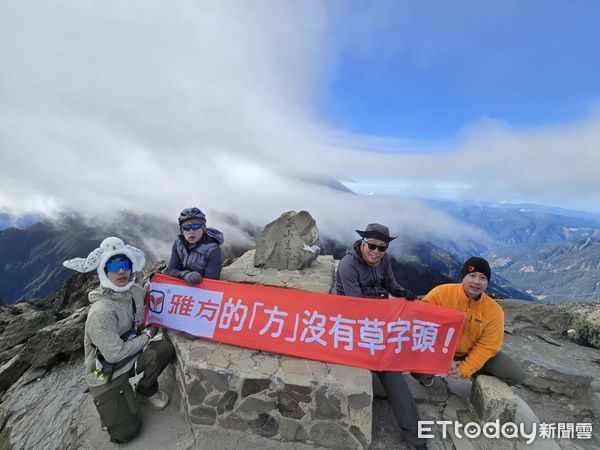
(153,106)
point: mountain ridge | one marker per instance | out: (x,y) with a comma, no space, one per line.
(512,233)
(32,257)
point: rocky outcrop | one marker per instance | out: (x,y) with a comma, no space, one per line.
(22,322)
(49,345)
(18,324)
(72,295)
(584,323)
(40,334)
(39,410)
(579,322)
(563,377)
(291,242)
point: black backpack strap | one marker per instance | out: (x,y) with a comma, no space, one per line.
(133,312)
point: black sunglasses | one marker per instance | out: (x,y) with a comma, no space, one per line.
(381,248)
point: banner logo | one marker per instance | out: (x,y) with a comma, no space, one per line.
(156,300)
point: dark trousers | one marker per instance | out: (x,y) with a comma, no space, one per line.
(152,362)
(115,400)
(500,366)
(403,404)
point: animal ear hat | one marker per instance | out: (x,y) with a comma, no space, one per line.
(97,260)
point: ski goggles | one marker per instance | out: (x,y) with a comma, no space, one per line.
(115,266)
(193,226)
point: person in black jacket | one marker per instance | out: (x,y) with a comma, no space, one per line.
(196,254)
(365,271)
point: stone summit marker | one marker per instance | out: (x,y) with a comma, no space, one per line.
(291,242)
(284,398)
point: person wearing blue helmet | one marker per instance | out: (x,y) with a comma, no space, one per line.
(196,253)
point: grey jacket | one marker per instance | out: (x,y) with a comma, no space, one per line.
(110,316)
(204,257)
(356,278)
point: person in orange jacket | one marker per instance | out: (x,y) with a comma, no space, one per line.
(478,351)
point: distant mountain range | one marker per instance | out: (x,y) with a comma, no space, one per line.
(31,257)
(559,271)
(549,254)
(510,225)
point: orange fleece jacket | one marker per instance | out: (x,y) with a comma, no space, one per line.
(483,330)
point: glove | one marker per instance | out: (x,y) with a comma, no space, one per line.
(151,331)
(192,278)
(410,295)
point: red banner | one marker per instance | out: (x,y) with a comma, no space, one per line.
(374,334)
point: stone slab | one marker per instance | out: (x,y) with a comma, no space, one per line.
(316,278)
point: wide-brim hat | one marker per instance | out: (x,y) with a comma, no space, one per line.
(376,231)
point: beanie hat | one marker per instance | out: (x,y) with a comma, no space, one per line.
(97,259)
(476,264)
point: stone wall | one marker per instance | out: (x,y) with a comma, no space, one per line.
(273,395)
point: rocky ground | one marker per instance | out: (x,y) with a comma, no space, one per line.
(44,403)
(51,410)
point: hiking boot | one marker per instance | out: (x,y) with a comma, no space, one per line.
(158,401)
(426,382)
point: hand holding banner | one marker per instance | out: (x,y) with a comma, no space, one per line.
(369,333)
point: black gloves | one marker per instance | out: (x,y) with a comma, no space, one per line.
(409,295)
(192,277)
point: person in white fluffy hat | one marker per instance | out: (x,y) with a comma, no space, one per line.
(116,348)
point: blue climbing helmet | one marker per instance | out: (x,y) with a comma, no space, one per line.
(191,213)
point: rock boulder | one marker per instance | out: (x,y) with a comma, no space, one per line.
(492,399)
(290,242)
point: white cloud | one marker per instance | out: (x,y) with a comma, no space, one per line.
(152,107)
(557,165)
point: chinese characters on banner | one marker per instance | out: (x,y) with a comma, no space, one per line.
(369,333)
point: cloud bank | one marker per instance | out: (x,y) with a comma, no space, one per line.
(149,107)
